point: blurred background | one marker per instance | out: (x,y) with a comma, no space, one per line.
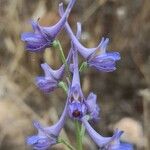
(124,95)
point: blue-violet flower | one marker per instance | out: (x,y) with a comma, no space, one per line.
(42,37)
(47,136)
(51,79)
(77,107)
(95,57)
(105,143)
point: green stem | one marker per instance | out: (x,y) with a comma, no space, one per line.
(83,66)
(82,132)
(62,53)
(56,44)
(66,143)
(63,85)
(78,135)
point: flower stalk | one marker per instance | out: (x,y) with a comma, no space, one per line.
(57,45)
(69,146)
(79,108)
(78,135)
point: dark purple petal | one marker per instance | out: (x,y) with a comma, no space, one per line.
(77,110)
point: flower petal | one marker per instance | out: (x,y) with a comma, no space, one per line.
(92,106)
(46,85)
(105,62)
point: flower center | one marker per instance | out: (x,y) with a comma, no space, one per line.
(76,113)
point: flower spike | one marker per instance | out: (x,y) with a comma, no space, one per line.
(47,136)
(42,37)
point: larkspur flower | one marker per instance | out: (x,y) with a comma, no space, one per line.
(51,79)
(43,37)
(96,57)
(103,61)
(47,136)
(77,107)
(106,143)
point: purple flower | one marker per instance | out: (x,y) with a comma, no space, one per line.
(51,79)
(95,57)
(42,37)
(77,107)
(47,136)
(103,61)
(77,110)
(92,107)
(105,143)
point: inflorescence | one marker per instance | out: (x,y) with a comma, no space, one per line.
(79,108)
